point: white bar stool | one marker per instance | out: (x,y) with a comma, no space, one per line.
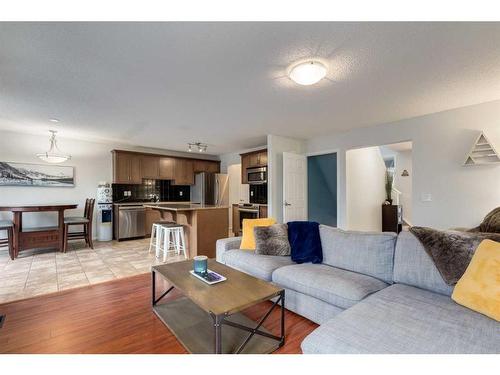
(155,241)
(168,238)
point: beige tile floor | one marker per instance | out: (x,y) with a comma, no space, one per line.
(37,272)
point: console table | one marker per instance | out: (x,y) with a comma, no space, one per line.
(31,238)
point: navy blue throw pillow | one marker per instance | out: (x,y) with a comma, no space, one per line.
(305,242)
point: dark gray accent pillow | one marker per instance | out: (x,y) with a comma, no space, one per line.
(272,240)
(451,251)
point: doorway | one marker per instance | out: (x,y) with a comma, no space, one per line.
(379,187)
(322,188)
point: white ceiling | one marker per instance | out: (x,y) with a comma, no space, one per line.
(166,84)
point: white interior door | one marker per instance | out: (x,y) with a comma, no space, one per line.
(294,187)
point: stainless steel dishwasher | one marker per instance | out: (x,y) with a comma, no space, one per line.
(132,221)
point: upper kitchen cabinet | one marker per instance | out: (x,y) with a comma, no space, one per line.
(126,167)
(206,166)
(132,167)
(167,168)
(183,172)
(252,160)
(150,167)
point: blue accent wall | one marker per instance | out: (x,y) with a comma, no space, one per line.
(322,188)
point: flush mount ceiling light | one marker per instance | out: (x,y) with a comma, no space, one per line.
(54,155)
(307,72)
(202,147)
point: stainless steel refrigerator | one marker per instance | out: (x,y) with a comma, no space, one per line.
(210,189)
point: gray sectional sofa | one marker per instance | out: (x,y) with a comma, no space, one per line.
(374,293)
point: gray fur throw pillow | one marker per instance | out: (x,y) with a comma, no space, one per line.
(451,251)
(272,240)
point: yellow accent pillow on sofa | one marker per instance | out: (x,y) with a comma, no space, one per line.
(248,240)
(479,287)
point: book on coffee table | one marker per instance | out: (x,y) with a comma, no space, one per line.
(210,277)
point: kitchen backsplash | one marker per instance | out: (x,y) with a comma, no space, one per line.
(148,189)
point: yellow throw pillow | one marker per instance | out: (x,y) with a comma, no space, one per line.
(248,240)
(479,287)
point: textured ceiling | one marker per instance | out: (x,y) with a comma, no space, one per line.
(166,84)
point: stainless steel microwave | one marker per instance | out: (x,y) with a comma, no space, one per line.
(256,176)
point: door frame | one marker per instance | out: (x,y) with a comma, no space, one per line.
(326,152)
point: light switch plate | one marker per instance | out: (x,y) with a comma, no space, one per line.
(426,197)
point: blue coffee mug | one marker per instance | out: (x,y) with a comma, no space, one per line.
(200,264)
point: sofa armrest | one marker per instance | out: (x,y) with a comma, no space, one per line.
(224,245)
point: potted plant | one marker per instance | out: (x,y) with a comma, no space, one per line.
(389,178)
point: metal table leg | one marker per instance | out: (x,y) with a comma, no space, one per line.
(219,320)
(217,333)
(153,284)
(155,300)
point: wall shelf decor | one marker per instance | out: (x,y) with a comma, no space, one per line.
(482,152)
(24,174)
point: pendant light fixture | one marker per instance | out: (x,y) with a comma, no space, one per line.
(54,155)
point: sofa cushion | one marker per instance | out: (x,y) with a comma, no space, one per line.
(413,266)
(370,253)
(333,285)
(225,244)
(451,250)
(405,319)
(309,307)
(479,287)
(272,240)
(248,238)
(261,266)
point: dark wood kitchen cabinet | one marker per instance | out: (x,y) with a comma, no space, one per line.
(236,221)
(245,162)
(126,168)
(131,167)
(167,168)
(206,166)
(150,167)
(183,172)
(262,211)
(252,159)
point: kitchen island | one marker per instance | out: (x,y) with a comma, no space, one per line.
(203,224)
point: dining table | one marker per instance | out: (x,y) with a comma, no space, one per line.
(37,237)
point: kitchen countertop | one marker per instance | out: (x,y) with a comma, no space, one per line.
(182,206)
(146,203)
(255,204)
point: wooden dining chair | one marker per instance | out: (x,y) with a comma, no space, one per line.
(8,226)
(85,221)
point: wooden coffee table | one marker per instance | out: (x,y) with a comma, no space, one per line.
(197,318)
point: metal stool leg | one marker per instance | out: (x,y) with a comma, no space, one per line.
(153,236)
(159,235)
(177,241)
(166,242)
(183,239)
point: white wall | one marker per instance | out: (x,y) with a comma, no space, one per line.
(365,191)
(461,196)
(92,162)
(276,145)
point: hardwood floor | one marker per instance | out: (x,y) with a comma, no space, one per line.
(113,317)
